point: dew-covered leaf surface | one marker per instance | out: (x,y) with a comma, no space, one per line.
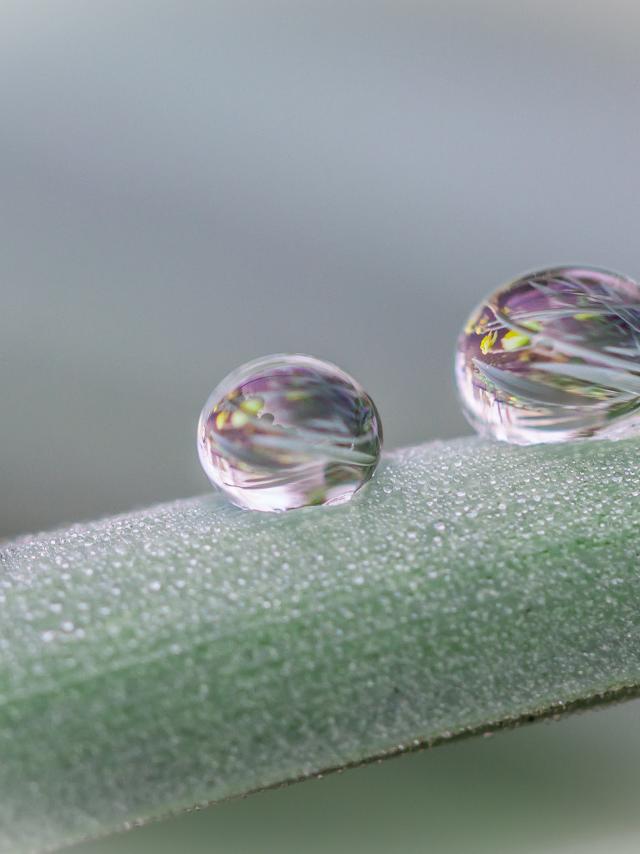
(194,651)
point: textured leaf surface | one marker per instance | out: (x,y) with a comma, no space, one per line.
(195,651)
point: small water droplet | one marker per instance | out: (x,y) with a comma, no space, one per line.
(289,431)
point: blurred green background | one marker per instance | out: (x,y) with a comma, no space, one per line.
(552,788)
(188,185)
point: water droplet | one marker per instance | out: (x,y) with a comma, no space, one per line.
(554,355)
(289,431)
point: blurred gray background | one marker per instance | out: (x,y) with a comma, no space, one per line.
(187,185)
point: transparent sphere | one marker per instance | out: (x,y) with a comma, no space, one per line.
(289,431)
(554,355)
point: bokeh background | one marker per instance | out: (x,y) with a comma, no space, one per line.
(187,185)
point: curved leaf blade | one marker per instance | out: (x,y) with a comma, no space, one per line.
(193,651)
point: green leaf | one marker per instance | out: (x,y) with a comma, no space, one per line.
(193,651)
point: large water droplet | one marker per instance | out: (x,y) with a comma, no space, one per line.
(554,355)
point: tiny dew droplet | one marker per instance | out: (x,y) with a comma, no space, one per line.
(289,431)
(553,355)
